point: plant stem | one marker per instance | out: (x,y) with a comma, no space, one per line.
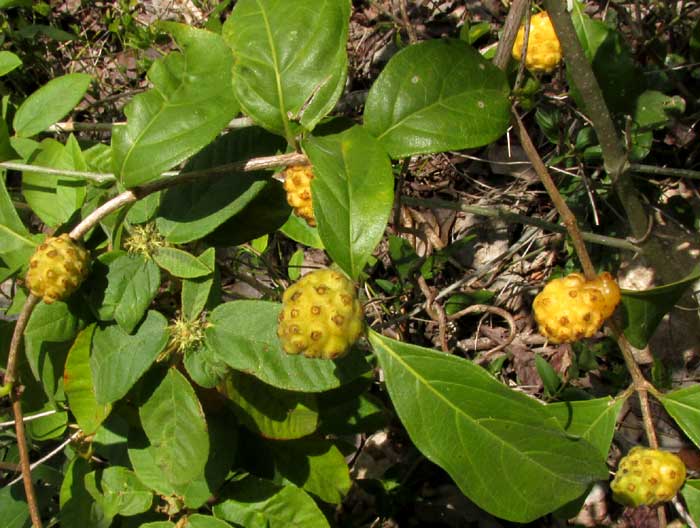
(665,171)
(510,30)
(99,177)
(515,218)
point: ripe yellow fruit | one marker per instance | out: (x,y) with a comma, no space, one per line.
(647,477)
(321,316)
(57,268)
(297,183)
(571,308)
(543,48)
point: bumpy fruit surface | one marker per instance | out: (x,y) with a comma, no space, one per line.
(321,316)
(297,183)
(647,476)
(57,268)
(571,308)
(543,48)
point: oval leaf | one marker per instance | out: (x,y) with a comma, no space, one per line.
(288,62)
(8,62)
(243,335)
(50,103)
(173,421)
(180,263)
(205,521)
(118,360)
(190,103)
(502,448)
(684,406)
(435,96)
(352,193)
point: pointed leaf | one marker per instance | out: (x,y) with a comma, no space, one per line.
(190,103)
(243,334)
(174,423)
(118,359)
(180,263)
(288,62)
(8,62)
(196,292)
(352,193)
(502,448)
(691,494)
(77,382)
(257,503)
(684,406)
(435,96)
(118,491)
(50,103)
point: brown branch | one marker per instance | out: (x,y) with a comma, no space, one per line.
(510,30)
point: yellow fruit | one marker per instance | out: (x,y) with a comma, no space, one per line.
(297,183)
(57,268)
(647,476)
(321,316)
(571,308)
(543,48)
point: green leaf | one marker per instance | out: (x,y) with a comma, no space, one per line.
(53,198)
(298,230)
(592,420)
(50,103)
(13,505)
(204,367)
(48,427)
(77,383)
(549,377)
(8,62)
(190,103)
(684,406)
(271,412)
(353,192)
(652,109)
(118,360)
(78,508)
(502,448)
(317,466)
(132,282)
(196,292)
(289,63)
(243,334)
(173,420)
(180,263)
(159,524)
(435,96)
(691,494)
(256,503)
(205,521)
(16,244)
(189,212)
(118,491)
(645,309)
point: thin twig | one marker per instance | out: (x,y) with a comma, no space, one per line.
(99,177)
(479,308)
(51,454)
(510,30)
(26,477)
(30,418)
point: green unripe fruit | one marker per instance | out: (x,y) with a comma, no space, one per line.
(321,316)
(57,268)
(647,476)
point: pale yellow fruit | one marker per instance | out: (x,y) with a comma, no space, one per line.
(57,268)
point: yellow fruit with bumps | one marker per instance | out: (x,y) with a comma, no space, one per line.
(321,316)
(571,308)
(297,183)
(647,476)
(543,48)
(57,268)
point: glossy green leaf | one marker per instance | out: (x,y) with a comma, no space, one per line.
(118,491)
(173,420)
(16,244)
(289,63)
(191,102)
(205,521)
(54,198)
(269,411)
(502,448)
(244,335)
(8,62)
(196,292)
(435,96)
(317,466)
(77,383)
(118,359)
(352,192)
(189,212)
(645,309)
(298,230)
(78,507)
(691,494)
(132,282)
(684,406)
(180,263)
(50,103)
(257,503)
(592,420)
